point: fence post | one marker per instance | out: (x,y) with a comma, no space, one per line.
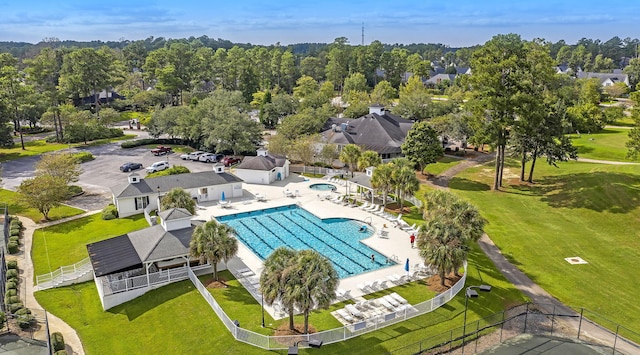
(526,316)
(502,325)
(615,340)
(580,323)
(553,318)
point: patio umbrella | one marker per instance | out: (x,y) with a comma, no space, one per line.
(406,266)
(222,197)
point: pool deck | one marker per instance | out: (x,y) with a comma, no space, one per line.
(395,245)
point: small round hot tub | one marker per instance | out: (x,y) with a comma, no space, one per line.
(323,187)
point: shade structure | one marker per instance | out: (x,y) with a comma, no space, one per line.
(222,196)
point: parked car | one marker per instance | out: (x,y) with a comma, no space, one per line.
(192,155)
(210,157)
(126,167)
(160,150)
(157,166)
(229,160)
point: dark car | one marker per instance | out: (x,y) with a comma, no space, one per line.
(130,166)
(229,160)
(160,150)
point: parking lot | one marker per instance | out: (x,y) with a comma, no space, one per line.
(100,174)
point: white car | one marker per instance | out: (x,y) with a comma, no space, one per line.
(192,155)
(210,157)
(157,166)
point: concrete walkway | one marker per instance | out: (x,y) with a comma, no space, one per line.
(71,339)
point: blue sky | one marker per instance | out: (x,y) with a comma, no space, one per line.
(454,23)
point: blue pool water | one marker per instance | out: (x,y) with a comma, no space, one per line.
(322,187)
(336,238)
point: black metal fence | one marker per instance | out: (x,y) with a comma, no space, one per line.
(582,326)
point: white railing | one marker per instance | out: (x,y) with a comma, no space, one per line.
(332,335)
(158,278)
(62,274)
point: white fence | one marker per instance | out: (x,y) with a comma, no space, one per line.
(328,336)
(64,274)
(162,277)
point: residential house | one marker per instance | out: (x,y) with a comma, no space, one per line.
(379,131)
(606,79)
(129,265)
(138,194)
(263,169)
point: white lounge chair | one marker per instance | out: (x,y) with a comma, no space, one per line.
(372,284)
(373,207)
(398,298)
(395,278)
(384,303)
(362,287)
(354,311)
(364,205)
(391,300)
(362,305)
(345,315)
(380,212)
(409,229)
(382,284)
(340,293)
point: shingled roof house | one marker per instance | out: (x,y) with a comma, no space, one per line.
(606,79)
(138,194)
(379,131)
(129,265)
(263,169)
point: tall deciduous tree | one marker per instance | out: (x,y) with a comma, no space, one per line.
(414,101)
(498,84)
(13,94)
(59,165)
(213,242)
(43,192)
(422,146)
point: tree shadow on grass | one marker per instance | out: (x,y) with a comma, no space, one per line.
(598,191)
(150,300)
(583,149)
(468,185)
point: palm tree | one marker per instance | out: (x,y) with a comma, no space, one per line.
(213,242)
(382,179)
(456,211)
(406,183)
(274,279)
(315,282)
(178,198)
(440,247)
(368,158)
(349,155)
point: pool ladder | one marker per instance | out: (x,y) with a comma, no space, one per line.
(369,219)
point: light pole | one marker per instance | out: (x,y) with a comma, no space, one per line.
(470,292)
(262,306)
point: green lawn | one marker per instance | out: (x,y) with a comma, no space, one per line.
(31,148)
(609,144)
(175,319)
(443,164)
(65,244)
(16,207)
(624,122)
(580,209)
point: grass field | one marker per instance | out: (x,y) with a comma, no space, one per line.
(31,148)
(175,319)
(606,145)
(16,207)
(580,209)
(65,244)
(443,164)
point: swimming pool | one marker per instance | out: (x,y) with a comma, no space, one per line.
(323,187)
(338,239)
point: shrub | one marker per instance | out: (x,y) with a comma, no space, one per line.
(12,273)
(10,285)
(25,321)
(10,293)
(147,141)
(15,222)
(23,311)
(61,352)
(109,212)
(84,157)
(14,307)
(14,238)
(12,300)
(14,232)
(75,190)
(12,264)
(12,247)
(3,319)
(175,170)
(57,341)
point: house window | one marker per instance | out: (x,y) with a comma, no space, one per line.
(142,202)
(204,191)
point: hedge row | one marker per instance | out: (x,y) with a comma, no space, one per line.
(84,157)
(146,141)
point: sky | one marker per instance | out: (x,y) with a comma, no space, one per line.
(456,23)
